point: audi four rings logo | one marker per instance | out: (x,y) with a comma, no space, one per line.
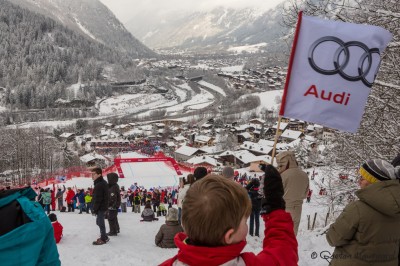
(340,66)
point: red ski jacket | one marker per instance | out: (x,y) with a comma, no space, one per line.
(58,231)
(279,247)
(70,195)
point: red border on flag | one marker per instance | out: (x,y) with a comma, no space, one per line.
(296,37)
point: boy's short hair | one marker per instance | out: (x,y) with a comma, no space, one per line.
(212,206)
(52,217)
(97,170)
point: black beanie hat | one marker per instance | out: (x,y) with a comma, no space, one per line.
(52,217)
(200,172)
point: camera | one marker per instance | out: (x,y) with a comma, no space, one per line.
(262,166)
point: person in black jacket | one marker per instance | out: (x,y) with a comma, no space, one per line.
(100,203)
(114,201)
(253,188)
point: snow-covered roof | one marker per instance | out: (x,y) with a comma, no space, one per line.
(282,126)
(203,159)
(291,134)
(243,155)
(202,138)
(179,138)
(66,135)
(110,140)
(170,144)
(241,127)
(264,142)
(257,120)
(186,150)
(248,145)
(206,125)
(309,138)
(265,158)
(211,149)
(92,156)
(310,127)
(245,135)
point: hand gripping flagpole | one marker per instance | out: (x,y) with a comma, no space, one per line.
(282,109)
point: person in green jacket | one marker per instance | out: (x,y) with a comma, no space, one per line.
(367,232)
(88,202)
(26,234)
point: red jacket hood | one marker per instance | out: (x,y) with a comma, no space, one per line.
(210,256)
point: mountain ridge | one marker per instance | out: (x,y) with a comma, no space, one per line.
(90,18)
(219,28)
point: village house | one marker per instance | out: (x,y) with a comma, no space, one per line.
(290,135)
(180,139)
(203,160)
(184,153)
(257,121)
(202,140)
(245,136)
(92,159)
(109,125)
(237,159)
(257,149)
(68,137)
(327,136)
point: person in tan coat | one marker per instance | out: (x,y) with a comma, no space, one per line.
(295,184)
(167,232)
(367,232)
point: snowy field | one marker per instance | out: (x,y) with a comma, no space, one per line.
(129,103)
(135,244)
(247,48)
(204,97)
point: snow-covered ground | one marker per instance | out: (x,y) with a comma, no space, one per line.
(129,103)
(268,99)
(212,87)
(135,244)
(201,98)
(247,48)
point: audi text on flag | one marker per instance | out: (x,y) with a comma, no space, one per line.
(333,66)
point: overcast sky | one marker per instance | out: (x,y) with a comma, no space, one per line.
(126,9)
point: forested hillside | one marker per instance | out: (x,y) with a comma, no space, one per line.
(39,58)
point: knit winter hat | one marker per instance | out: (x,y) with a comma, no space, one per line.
(172,215)
(377,170)
(228,172)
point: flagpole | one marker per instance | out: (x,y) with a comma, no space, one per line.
(276,139)
(283,103)
(291,59)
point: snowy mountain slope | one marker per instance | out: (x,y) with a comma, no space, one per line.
(91,18)
(220,27)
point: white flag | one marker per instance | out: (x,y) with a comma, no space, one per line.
(333,65)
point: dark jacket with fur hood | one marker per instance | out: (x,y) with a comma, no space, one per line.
(114,195)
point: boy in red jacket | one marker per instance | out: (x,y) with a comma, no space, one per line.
(57,227)
(214,217)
